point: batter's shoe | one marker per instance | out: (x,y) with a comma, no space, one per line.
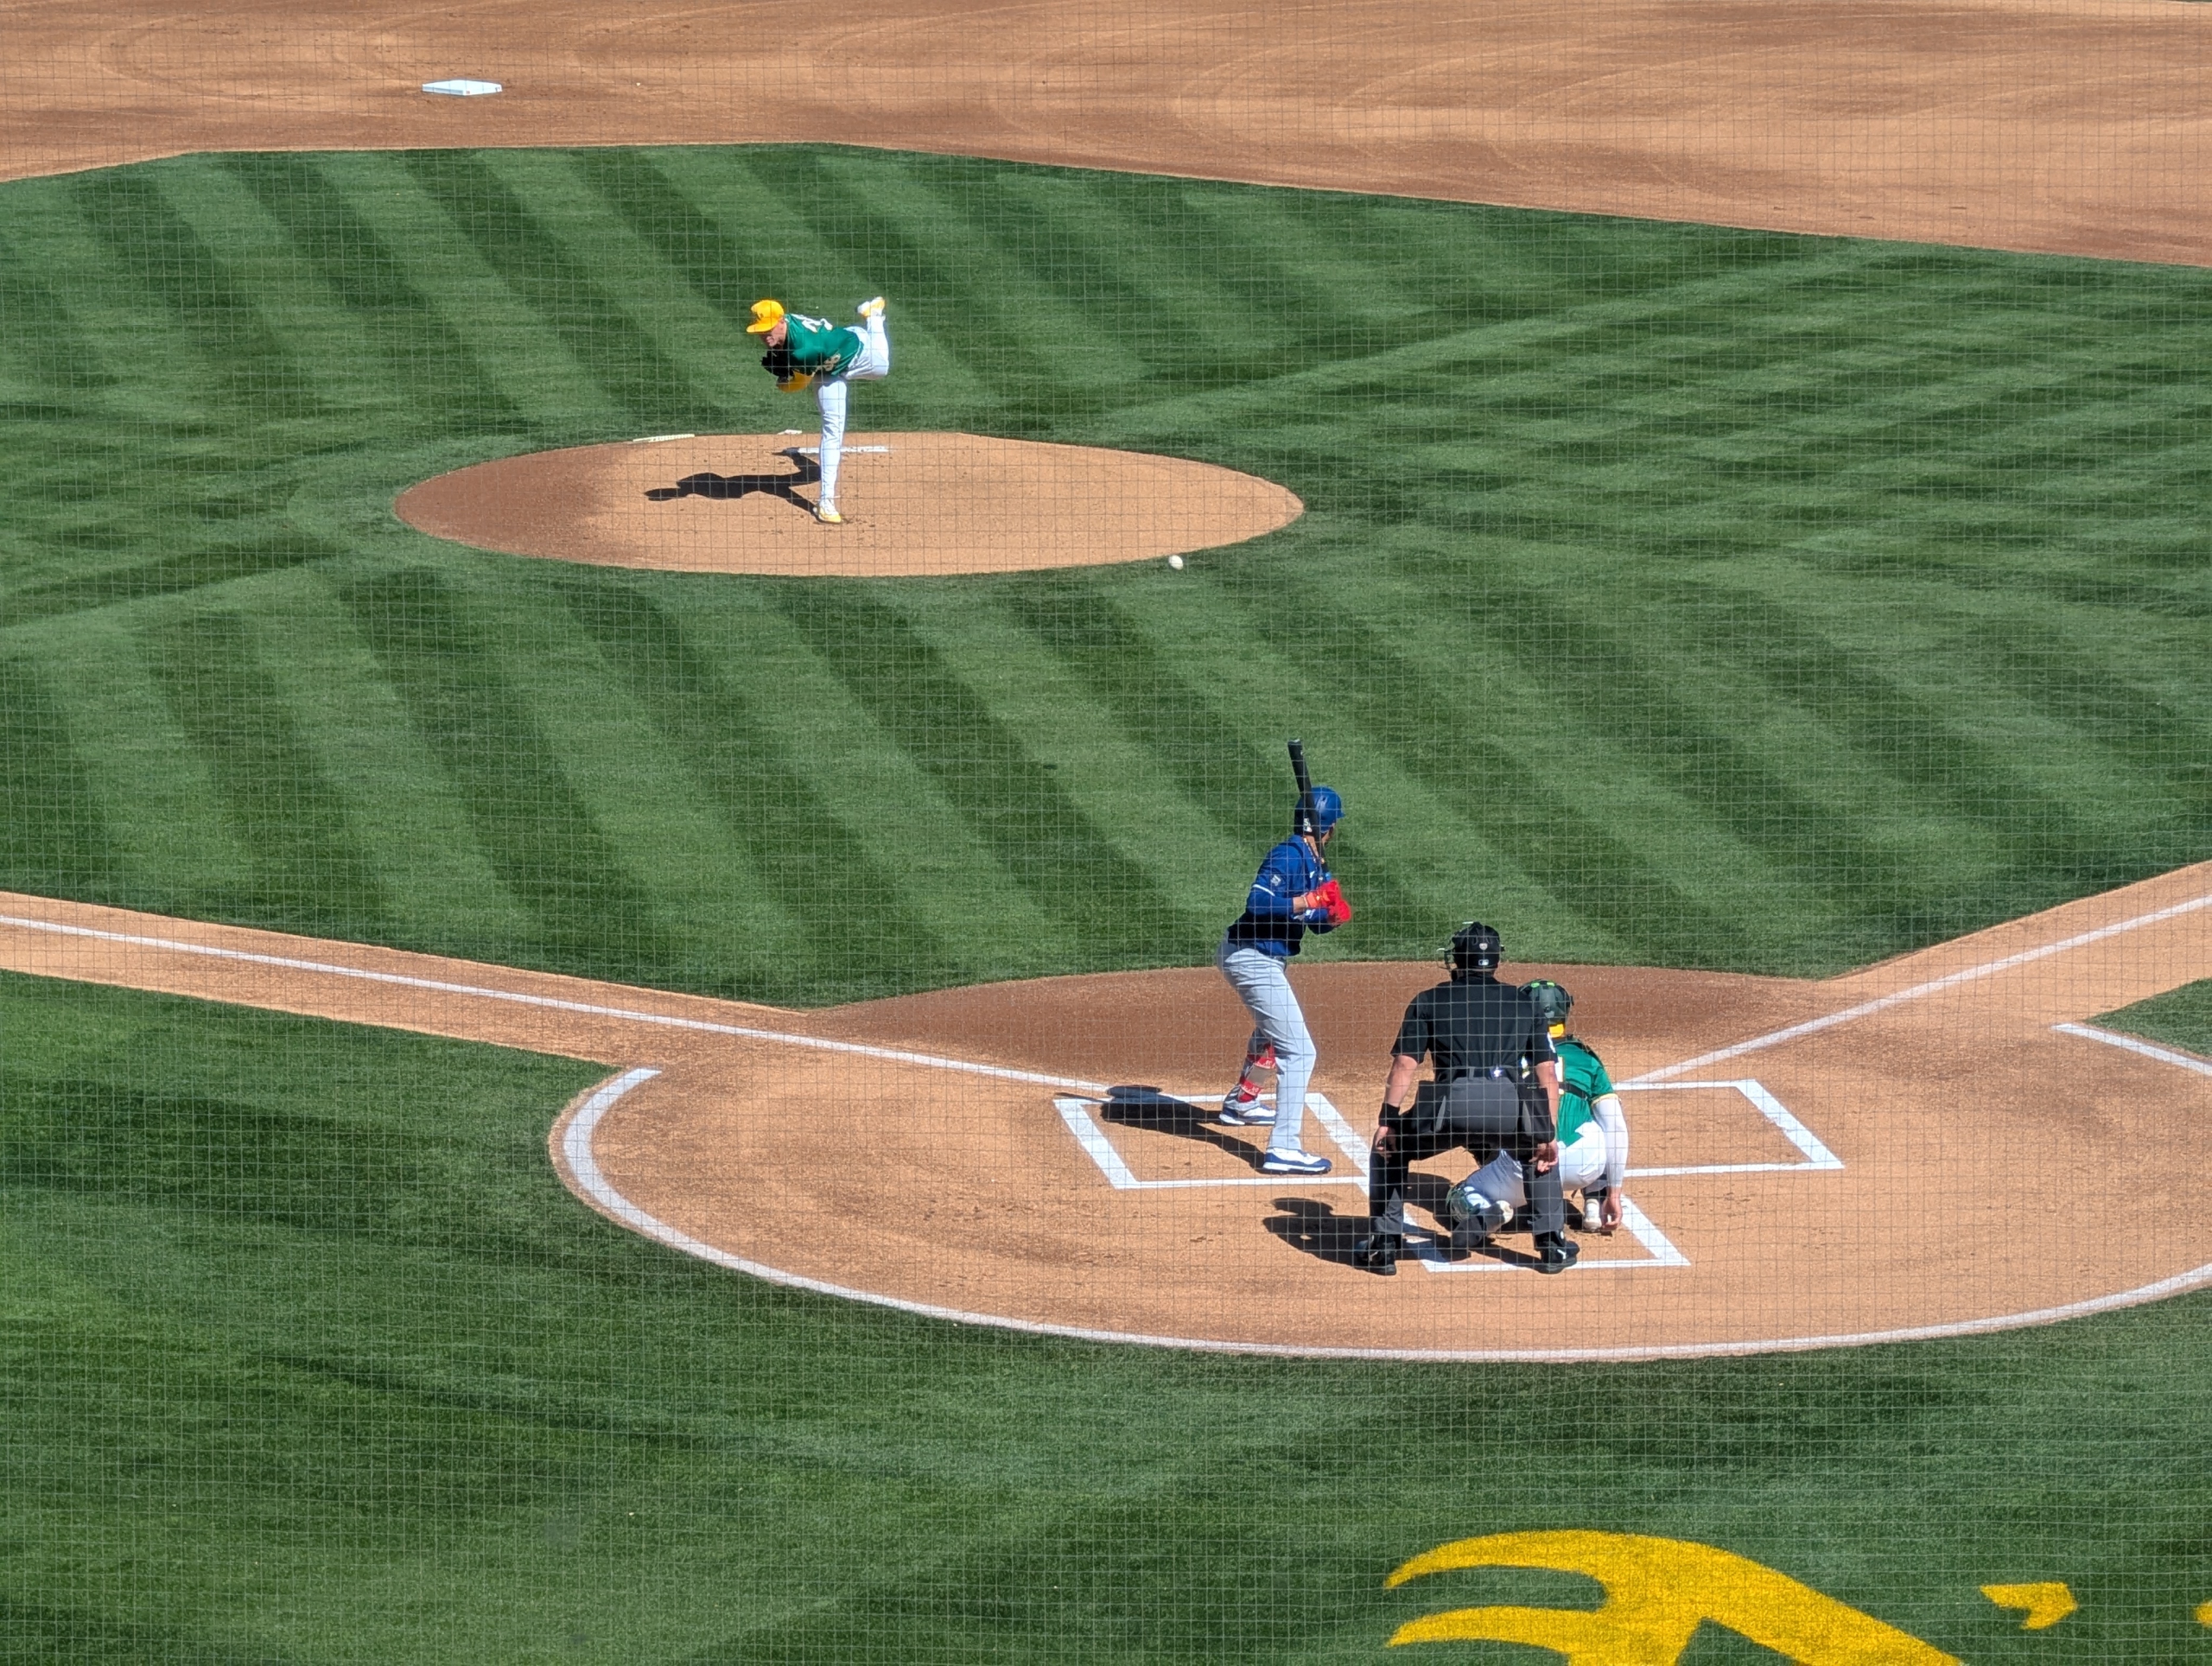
(828,517)
(1292,1162)
(1243,1108)
(1378,1254)
(1556,1255)
(872,308)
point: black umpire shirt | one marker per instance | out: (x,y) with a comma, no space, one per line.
(1474,1022)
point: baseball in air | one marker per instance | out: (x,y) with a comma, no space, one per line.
(1175,562)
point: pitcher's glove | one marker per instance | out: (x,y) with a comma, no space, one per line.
(777,361)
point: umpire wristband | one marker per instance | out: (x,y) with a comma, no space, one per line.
(1391,1113)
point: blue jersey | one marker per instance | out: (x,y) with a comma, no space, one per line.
(1269,924)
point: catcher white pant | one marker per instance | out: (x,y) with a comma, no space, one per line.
(873,366)
(1262,982)
(1581,1166)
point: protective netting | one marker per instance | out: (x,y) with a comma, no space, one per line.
(633,709)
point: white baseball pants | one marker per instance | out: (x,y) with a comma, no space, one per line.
(873,366)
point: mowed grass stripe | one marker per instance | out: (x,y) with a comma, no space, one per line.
(1495,773)
(655,299)
(508,234)
(1225,771)
(903,824)
(431,369)
(711,262)
(211,563)
(590,913)
(163,807)
(310,322)
(1950,758)
(1114,782)
(811,864)
(156,249)
(53,839)
(638,791)
(1224,768)
(528,367)
(934,228)
(441,891)
(45,358)
(700,207)
(309,873)
(1071,871)
(1697,753)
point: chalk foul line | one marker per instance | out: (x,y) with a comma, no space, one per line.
(1881,1003)
(556,1003)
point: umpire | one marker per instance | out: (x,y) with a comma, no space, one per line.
(1497,1079)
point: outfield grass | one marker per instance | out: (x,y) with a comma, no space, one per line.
(1667,594)
(307,1359)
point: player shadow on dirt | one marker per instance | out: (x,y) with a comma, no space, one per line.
(1317,1230)
(747,485)
(1136,1105)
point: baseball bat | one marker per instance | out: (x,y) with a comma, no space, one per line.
(1305,817)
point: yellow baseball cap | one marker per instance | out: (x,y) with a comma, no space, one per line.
(767,314)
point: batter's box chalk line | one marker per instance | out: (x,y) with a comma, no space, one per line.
(1078,1113)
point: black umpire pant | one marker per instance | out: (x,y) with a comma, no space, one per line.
(1484,1114)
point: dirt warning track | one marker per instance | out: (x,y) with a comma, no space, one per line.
(1935,1146)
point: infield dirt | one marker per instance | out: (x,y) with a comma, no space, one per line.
(1992,1170)
(915,505)
(2062,126)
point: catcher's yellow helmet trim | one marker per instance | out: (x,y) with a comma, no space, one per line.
(767,314)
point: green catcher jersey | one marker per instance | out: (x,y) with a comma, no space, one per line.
(1585,1082)
(818,346)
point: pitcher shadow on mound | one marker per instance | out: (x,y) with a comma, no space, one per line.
(1139,1106)
(808,473)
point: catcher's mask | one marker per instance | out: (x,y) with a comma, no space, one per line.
(1552,1001)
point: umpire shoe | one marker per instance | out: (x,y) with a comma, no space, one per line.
(1556,1255)
(1292,1162)
(1378,1254)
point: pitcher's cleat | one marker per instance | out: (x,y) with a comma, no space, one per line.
(828,517)
(872,309)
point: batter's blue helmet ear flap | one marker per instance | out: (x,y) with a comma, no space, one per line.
(1322,809)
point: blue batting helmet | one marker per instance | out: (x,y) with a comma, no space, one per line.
(1319,810)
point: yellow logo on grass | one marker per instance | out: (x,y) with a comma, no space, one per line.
(1658,1592)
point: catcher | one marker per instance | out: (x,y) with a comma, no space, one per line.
(803,352)
(1593,1139)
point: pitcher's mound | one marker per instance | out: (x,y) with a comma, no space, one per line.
(915,505)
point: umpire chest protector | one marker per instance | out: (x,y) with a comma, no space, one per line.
(1485,1038)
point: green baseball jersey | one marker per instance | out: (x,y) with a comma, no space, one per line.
(1585,1082)
(817,345)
